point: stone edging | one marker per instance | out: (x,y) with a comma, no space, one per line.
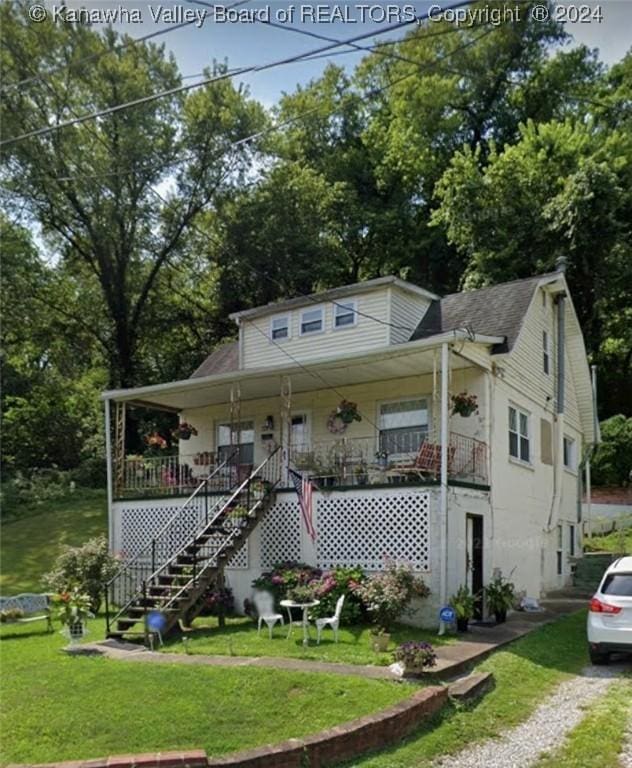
(331,746)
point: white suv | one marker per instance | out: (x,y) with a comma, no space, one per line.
(610,613)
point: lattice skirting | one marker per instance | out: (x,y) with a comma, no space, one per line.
(367,529)
(281,533)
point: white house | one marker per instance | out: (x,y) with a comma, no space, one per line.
(457,496)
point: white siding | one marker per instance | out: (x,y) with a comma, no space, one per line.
(407,310)
(367,333)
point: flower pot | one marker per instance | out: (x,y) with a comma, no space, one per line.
(501,616)
(462,624)
(75,632)
(183,435)
(380,642)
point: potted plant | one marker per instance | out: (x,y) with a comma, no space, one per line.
(184,430)
(463,602)
(237,516)
(303,593)
(73,612)
(386,597)
(348,411)
(500,594)
(414,657)
(464,404)
(382,459)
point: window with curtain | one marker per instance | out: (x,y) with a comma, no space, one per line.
(243,437)
(403,426)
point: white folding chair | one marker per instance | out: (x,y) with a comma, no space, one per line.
(264,603)
(332,621)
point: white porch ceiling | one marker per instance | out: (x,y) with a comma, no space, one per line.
(409,359)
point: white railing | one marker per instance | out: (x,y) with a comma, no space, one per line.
(165,474)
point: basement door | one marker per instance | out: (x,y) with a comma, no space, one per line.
(474,560)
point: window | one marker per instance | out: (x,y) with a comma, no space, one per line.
(560,552)
(571,540)
(243,436)
(403,426)
(345,314)
(569,453)
(519,442)
(619,584)
(312,321)
(280,328)
(546,353)
(300,435)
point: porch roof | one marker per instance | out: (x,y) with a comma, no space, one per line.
(413,358)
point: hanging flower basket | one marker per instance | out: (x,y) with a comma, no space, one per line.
(184,430)
(464,405)
(345,413)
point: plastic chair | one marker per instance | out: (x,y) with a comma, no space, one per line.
(264,603)
(332,621)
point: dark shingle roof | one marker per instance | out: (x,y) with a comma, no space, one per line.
(497,310)
(222,359)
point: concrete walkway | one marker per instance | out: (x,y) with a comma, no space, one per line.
(452,660)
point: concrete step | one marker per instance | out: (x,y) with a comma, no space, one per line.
(471,687)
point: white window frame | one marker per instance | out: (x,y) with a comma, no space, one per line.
(321,311)
(546,353)
(520,435)
(570,452)
(345,308)
(378,416)
(288,326)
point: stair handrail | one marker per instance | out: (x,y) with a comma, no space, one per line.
(236,493)
(171,520)
(249,479)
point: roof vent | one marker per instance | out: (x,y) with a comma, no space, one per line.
(560,264)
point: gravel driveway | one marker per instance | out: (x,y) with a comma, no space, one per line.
(523,745)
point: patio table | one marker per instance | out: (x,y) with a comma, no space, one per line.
(289,604)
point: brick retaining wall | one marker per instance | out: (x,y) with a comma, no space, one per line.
(342,742)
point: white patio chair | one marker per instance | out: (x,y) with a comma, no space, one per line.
(264,603)
(332,621)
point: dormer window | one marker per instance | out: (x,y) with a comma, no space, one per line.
(280,328)
(312,321)
(345,314)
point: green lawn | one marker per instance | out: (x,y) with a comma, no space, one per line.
(526,672)
(31,542)
(239,638)
(55,707)
(597,741)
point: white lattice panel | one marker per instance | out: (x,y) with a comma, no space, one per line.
(281,534)
(139,523)
(240,560)
(366,530)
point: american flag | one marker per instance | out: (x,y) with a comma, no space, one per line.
(305,491)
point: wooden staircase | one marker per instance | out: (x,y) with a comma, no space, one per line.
(174,590)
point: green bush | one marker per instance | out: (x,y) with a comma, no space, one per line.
(85,568)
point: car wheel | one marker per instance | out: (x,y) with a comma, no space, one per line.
(598,657)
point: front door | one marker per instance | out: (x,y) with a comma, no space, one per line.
(474,560)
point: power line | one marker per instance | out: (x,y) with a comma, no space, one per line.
(120,47)
(224,76)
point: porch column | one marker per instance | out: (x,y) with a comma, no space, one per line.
(108,469)
(443,500)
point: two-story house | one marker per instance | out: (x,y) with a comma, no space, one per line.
(445,431)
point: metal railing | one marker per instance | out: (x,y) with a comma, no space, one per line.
(165,475)
(196,511)
(368,460)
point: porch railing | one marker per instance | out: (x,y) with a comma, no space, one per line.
(367,460)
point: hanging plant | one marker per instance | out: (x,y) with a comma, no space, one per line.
(464,405)
(348,411)
(184,430)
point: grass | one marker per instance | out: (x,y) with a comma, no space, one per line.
(619,542)
(598,739)
(239,638)
(31,541)
(56,707)
(526,672)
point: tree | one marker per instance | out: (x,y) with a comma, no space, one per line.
(91,186)
(612,463)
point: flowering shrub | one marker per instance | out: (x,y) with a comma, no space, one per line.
(303,593)
(73,607)
(326,587)
(218,601)
(154,440)
(415,654)
(388,595)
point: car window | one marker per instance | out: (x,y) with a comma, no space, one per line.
(618,584)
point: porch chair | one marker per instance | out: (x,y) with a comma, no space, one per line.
(264,603)
(332,621)
(427,461)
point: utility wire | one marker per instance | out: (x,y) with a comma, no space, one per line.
(216,78)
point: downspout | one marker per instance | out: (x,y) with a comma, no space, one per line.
(443,498)
(109,473)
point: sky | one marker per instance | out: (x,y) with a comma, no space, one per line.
(606,26)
